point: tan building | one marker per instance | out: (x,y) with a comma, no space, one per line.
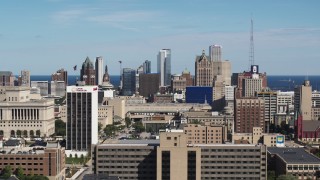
(303,100)
(256,137)
(249,113)
(175,160)
(270,107)
(25,117)
(172,158)
(206,134)
(105,115)
(222,68)
(203,70)
(119,106)
(48,161)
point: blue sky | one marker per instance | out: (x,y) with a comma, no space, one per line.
(45,35)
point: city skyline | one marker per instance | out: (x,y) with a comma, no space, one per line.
(47,35)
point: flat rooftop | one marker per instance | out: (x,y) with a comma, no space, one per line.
(294,155)
(128,142)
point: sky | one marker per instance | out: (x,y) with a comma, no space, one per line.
(45,35)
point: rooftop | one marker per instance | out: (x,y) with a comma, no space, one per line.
(294,155)
(148,142)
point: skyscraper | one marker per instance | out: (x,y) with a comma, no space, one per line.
(303,100)
(60,75)
(24,79)
(203,70)
(215,52)
(82,117)
(147,67)
(164,67)
(99,70)
(129,81)
(87,73)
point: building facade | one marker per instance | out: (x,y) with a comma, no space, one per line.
(21,116)
(88,73)
(164,66)
(203,70)
(6,78)
(249,113)
(82,117)
(24,78)
(149,84)
(60,75)
(129,82)
(99,70)
(147,67)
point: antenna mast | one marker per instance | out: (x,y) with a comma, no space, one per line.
(251,56)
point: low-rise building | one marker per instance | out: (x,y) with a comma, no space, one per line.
(205,134)
(47,161)
(295,161)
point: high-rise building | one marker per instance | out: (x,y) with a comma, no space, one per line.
(203,70)
(147,67)
(149,84)
(99,70)
(43,86)
(215,52)
(60,75)
(58,88)
(24,78)
(87,73)
(249,113)
(129,81)
(303,100)
(82,118)
(270,107)
(164,67)
(6,78)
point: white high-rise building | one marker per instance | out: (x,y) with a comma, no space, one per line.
(99,70)
(82,118)
(164,66)
(215,52)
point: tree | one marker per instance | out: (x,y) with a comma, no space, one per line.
(19,173)
(138,126)
(110,130)
(287,177)
(271,175)
(128,122)
(6,172)
(60,127)
(99,126)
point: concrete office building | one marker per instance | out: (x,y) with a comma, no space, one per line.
(88,73)
(82,118)
(218,93)
(294,161)
(303,100)
(203,70)
(105,115)
(24,78)
(43,86)
(251,87)
(47,161)
(99,70)
(270,107)
(149,84)
(249,113)
(61,75)
(58,88)
(128,82)
(219,67)
(119,106)
(164,66)
(22,116)
(205,134)
(6,78)
(215,52)
(147,67)
(284,102)
(172,158)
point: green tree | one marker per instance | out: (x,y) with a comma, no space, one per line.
(271,175)
(99,126)
(60,127)
(287,177)
(6,172)
(128,122)
(110,130)
(138,126)
(19,173)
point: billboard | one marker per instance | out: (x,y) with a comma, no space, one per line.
(280,141)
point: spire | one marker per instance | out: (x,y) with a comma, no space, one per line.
(251,56)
